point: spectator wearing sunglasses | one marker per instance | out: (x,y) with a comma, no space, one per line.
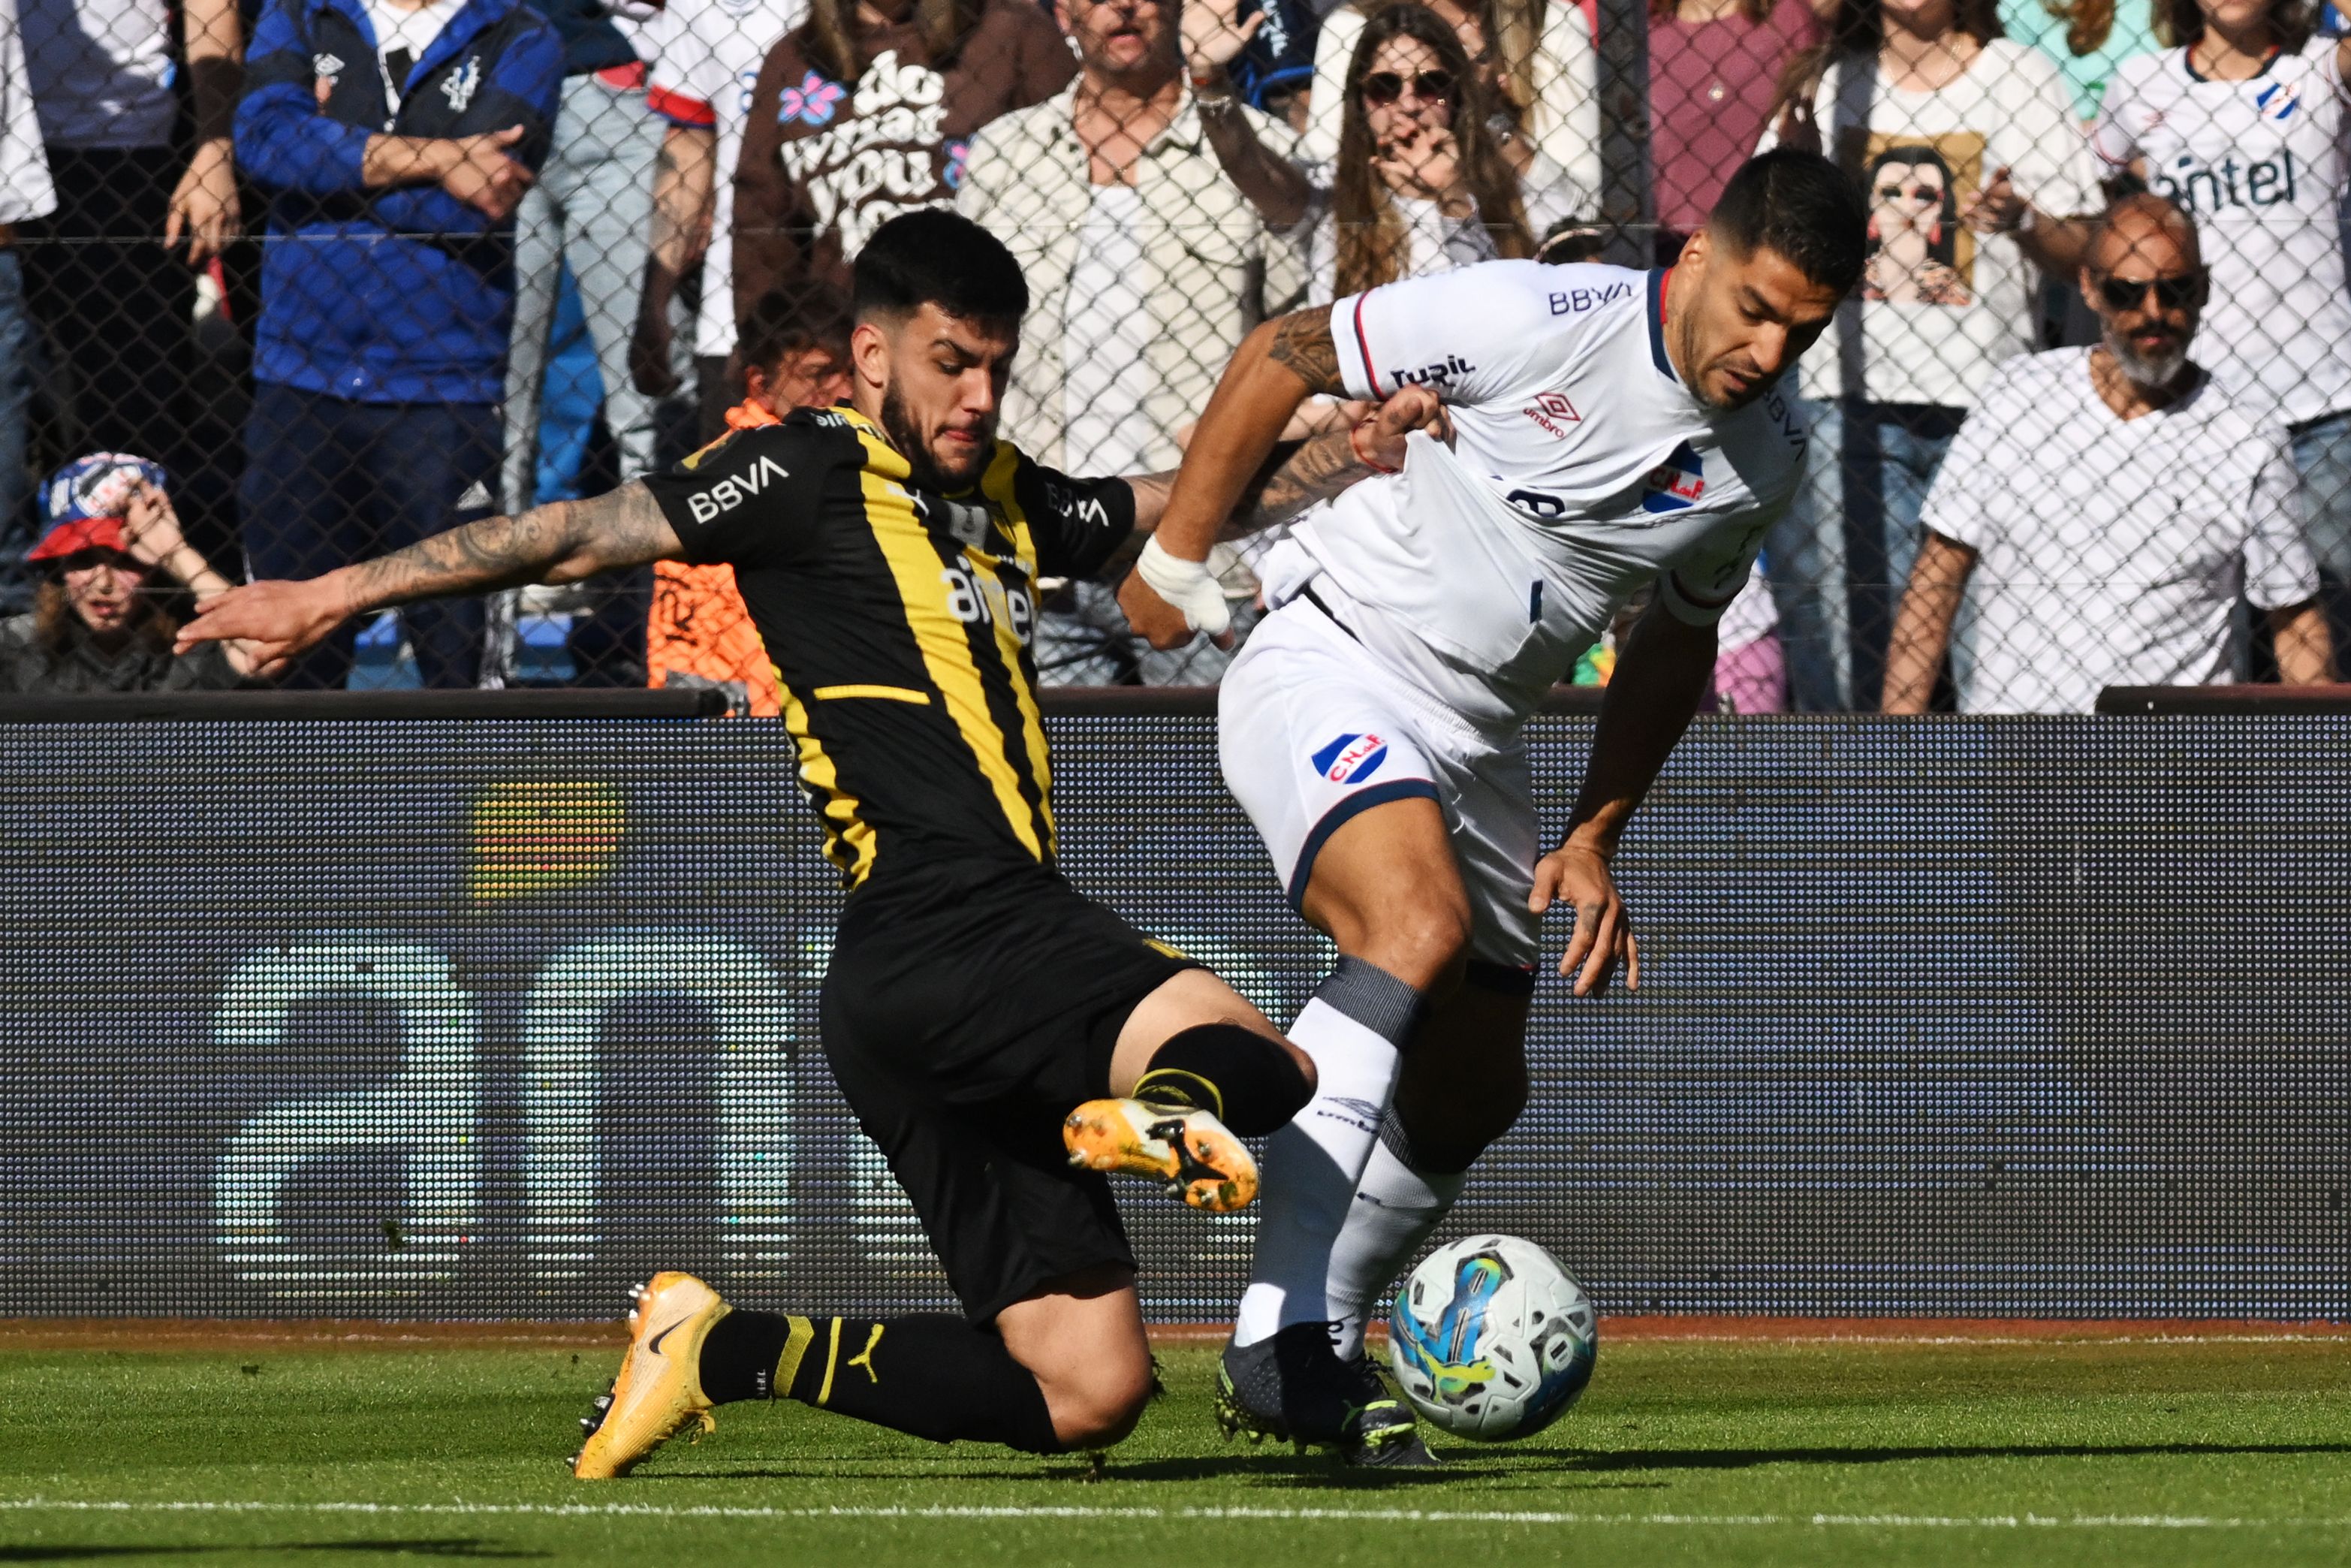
(113,560)
(1535,59)
(1420,185)
(2105,509)
(2243,125)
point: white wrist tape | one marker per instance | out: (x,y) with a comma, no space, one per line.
(1189,586)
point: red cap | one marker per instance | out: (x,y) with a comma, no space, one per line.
(77,535)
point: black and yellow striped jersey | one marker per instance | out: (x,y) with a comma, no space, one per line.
(899,622)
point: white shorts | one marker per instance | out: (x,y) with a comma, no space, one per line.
(1312,730)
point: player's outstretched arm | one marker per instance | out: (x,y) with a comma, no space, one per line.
(1660,676)
(562,542)
(1278,366)
(1317,471)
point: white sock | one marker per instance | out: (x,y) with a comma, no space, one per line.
(1352,1029)
(1395,1210)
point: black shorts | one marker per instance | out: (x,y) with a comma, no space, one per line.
(968,1010)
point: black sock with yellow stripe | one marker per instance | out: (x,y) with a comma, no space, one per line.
(1246,1080)
(935,1377)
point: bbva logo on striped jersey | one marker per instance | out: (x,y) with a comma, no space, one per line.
(709,505)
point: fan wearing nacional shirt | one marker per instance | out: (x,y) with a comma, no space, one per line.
(2243,126)
(1614,430)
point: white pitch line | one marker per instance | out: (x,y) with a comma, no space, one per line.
(1308,1515)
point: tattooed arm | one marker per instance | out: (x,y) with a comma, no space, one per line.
(1278,367)
(1310,471)
(559,543)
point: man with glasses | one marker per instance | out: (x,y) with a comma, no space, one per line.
(2104,509)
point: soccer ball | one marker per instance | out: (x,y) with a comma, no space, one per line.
(1491,1339)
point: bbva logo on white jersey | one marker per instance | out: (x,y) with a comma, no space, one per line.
(731,492)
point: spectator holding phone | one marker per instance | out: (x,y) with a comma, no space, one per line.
(111,557)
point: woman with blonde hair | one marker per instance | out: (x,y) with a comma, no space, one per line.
(1535,58)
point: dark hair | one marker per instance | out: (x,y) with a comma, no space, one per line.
(937,258)
(1801,206)
(1370,236)
(1943,244)
(779,325)
(834,40)
(57,625)
(2178,23)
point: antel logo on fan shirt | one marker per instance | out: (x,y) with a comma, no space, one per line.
(1675,485)
(1550,411)
(1351,758)
(2199,188)
(1438,374)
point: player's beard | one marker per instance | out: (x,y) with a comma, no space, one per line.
(898,424)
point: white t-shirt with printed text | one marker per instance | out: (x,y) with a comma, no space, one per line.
(1582,470)
(705,61)
(2259,165)
(1941,305)
(2110,552)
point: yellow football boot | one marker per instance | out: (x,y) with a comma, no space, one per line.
(658,1390)
(1194,1154)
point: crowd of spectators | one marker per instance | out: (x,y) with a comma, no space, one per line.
(323,276)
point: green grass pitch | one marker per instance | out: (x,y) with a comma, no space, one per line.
(1989,1447)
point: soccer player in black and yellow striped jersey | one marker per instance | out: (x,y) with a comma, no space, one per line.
(1004,1039)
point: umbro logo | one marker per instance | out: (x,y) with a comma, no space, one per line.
(1552,413)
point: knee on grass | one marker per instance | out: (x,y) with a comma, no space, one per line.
(1094,1407)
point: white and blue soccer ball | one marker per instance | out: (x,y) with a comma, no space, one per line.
(1489,1338)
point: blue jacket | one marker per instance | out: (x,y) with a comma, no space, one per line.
(402,294)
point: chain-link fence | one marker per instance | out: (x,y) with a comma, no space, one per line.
(347,273)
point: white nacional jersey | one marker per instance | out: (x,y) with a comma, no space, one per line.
(1582,470)
(2261,166)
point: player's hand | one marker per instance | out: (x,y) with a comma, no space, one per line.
(1995,209)
(1604,932)
(1166,599)
(1381,435)
(273,620)
(484,178)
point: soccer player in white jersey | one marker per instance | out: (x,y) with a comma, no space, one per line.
(1613,430)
